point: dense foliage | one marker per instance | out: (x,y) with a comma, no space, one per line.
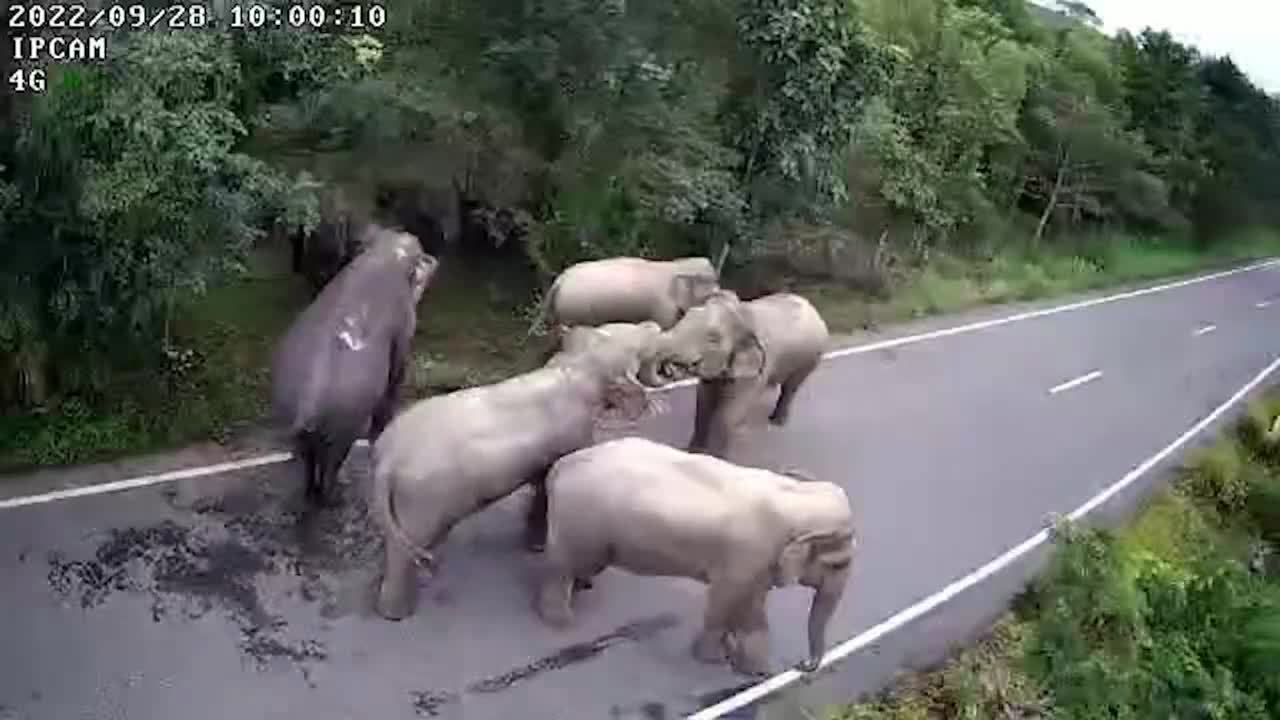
(669,127)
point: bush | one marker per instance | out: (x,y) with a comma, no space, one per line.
(1219,475)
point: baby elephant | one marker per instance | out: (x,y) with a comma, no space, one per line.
(627,290)
(654,510)
(792,334)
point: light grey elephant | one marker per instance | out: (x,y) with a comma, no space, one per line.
(654,510)
(627,289)
(338,367)
(792,334)
(451,455)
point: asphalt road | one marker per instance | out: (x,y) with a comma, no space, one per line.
(210,598)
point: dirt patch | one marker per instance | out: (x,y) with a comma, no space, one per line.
(222,557)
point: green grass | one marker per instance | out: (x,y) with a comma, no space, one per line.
(1170,616)
(472,327)
(951,284)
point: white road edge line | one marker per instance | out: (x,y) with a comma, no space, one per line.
(867,637)
(281,457)
(1087,378)
(1205,330)
(137,482)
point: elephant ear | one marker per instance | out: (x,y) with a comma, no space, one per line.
(792,559)
(748,359)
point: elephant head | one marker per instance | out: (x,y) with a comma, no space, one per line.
(396,248)
(422,273)
(819,559)
(715,340)
(613,354)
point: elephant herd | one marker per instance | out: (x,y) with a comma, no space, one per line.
(626,326)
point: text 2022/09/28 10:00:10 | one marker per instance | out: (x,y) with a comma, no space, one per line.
(29,25)
(196,16)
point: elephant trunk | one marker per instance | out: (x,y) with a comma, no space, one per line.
(825,599)
(653,368)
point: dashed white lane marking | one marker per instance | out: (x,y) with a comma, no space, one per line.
(1086,378)
(1263,304)
(867,637)
(1205,330)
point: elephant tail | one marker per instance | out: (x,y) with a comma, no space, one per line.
(548,299)
(384,509)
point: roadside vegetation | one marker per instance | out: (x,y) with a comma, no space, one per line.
(1176,615)
(888,158)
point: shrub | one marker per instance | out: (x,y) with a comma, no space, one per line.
(1219,475)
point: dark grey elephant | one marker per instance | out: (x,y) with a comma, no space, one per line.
(654,510)
(449,456)
(338,367)
(791,335)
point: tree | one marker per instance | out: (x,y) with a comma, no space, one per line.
(1165,101)
(938,130)
(131,199)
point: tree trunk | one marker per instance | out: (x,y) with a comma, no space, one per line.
(1049,206)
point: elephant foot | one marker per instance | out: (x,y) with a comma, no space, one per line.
(778,419)
(534,541)
(709,649)
(748,654)
(394,608)
(554,613)
(557,618)
(329,500)
(808,664)
(553,601)
(583,584)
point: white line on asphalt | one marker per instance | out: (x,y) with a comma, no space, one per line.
(1205,330)
(867,637)
(145,480)
(1090,377)
(1263,304)
(281,457)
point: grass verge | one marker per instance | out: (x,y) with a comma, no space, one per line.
(1175,615)
(472,328)
(949,284)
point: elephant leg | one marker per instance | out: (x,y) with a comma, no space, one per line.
(749,650)
(782,410)
(398,591)
(707,401)
(556,593)
(309,457)
(723,598)
(332,457)
(568,570)
(397,595)
(733,410)
(535,529)
(554,599)
(382,414)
